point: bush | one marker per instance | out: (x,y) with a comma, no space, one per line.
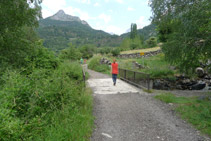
(115,52)
(31,104)
(151,42)
(70,53)
(94,64)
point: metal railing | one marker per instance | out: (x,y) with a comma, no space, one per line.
(138,79)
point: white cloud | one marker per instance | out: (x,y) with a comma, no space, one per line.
(114,29)
(84,1)
(46,13)
(51,7)
(55,4)
(96,4)
(109,28)
(110,10)
(120,1)
(145,2)
(106,0)
(141,22)
(106,18)
(130,9)
(76,11)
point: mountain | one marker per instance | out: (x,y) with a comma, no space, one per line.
(61,29)
(146,32)
(61,16)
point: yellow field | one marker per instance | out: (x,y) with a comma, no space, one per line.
(140,50)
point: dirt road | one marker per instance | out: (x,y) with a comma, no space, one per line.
(125,113)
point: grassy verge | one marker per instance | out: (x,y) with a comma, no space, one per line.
(195,111)
(72,123)
(94,64)
(156,66)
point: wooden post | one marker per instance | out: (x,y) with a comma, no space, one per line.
(125,74)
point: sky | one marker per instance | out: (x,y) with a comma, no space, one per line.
(112,16)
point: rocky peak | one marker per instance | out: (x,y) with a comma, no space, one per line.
(60,12)
(62,16)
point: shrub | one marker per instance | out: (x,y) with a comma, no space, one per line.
(94,64)
(151,42)
(70,53)
(30,104)
(115,52)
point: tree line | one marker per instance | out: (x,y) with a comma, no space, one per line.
(185,29)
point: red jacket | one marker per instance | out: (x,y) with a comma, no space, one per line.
(114,68)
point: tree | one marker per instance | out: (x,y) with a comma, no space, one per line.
(133,31)
(151,42)
(18,20)
(87,51)
(185,28)
(115,52)
(71,53)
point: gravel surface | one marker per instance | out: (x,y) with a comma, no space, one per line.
(135,116)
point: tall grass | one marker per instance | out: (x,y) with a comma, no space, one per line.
(156,66)
(45,105)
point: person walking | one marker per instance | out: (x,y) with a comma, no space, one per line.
(114,71)
(81,60)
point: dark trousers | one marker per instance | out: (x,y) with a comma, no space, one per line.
(114,77)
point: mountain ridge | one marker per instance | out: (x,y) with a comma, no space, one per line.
(61,29)
(62,16)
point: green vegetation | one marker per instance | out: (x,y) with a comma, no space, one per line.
(94,64)
(156,66)
(144,33)
(132,44)
(133,31)
(151,42)
(51,102)
(185,28)
(194,110)
(58,34)
(42,97)
(138,41)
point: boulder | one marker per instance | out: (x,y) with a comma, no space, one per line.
(199,86)
(200,72)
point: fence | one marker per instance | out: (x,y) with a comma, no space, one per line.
(138,79)
(84,75)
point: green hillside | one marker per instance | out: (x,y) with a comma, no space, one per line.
(146,32)
(57,34)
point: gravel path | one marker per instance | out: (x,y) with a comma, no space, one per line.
(125,113)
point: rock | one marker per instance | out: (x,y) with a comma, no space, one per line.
(185,81)
(199,86)
(200,72)
(160,85)
(179,87)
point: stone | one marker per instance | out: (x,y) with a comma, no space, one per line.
(199,86)
(200,72)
